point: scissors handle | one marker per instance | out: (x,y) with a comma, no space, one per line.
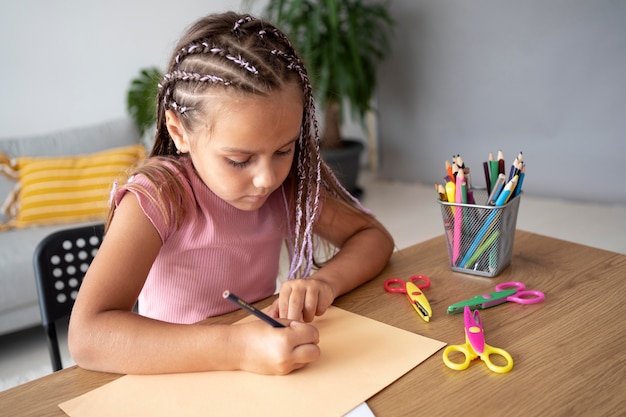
(399,285)
(395,285)
(470,355)
(486,357)
(463,349)
(511,285)
(417,278)
(526,297)
(522,295)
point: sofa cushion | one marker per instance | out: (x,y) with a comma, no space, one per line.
(75,141)
(65,189)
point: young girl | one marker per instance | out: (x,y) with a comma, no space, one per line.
(235,172)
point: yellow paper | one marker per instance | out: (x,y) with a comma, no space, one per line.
(359,357)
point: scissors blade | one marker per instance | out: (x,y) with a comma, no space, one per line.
(419,301)
(481,301)
(474,330)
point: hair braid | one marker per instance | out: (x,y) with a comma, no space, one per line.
(240,52)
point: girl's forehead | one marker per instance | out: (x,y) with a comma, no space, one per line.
(254,122)
(230,98)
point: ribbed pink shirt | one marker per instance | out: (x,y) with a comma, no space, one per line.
(218,247)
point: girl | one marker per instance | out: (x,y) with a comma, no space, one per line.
(235,172)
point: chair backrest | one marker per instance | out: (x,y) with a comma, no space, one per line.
(61,261)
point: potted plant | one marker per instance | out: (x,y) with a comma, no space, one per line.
(141,102)
(341,42)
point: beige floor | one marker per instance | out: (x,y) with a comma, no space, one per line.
(412,215)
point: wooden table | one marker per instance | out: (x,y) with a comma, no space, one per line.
(569,351)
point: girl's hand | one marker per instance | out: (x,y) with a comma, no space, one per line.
(278,351)
(302,299)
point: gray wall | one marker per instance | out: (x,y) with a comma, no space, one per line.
(466,76)
(546,77)
(68,63)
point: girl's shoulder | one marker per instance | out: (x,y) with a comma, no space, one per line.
(163,174)
(162,187)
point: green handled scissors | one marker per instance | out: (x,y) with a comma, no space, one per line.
(475,347)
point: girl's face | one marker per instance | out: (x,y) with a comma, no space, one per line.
(248,151)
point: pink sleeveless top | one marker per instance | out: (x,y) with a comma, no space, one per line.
(217,247)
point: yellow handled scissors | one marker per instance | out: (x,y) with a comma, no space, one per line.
(475,347)
(413,290)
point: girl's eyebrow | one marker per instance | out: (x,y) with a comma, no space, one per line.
(251,152)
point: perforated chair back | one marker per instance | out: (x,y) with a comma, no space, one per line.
(61,260)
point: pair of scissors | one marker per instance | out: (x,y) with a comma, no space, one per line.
(475,347)
(512,291)
(413,291)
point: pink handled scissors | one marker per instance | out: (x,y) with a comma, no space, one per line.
(475,347)
(512,291)
(413,291)
(521,295)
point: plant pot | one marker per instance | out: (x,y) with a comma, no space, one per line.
(345,162)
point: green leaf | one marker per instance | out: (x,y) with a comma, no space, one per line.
(142,96)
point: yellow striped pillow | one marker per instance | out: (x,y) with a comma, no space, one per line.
(67,189)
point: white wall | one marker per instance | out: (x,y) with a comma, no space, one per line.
(68,63)
(547,77)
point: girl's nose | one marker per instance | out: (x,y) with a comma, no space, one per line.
(264,176)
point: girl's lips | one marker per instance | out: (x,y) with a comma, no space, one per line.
(258,197)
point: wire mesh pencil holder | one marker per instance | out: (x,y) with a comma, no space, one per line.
(480,238)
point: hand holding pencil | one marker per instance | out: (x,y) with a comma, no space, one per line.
(275,349)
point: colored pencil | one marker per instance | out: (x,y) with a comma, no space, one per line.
(251,309)
(458,217)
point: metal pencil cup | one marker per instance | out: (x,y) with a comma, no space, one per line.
(480,238)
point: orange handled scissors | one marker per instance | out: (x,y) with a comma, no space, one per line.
(413,291)
(475,347)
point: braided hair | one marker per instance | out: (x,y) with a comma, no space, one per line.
(240,52)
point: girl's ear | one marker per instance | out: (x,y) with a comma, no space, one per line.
(177,131)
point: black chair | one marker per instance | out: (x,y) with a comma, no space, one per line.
(61,260)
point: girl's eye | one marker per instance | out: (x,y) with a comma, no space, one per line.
(284,153)
(243,164)
(239,164)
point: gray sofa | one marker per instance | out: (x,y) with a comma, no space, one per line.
(19,307)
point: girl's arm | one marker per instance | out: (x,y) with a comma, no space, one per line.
(365,247)
(105,334)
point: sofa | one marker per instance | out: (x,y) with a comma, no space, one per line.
(19,308)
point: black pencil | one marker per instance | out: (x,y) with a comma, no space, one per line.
(251,309)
